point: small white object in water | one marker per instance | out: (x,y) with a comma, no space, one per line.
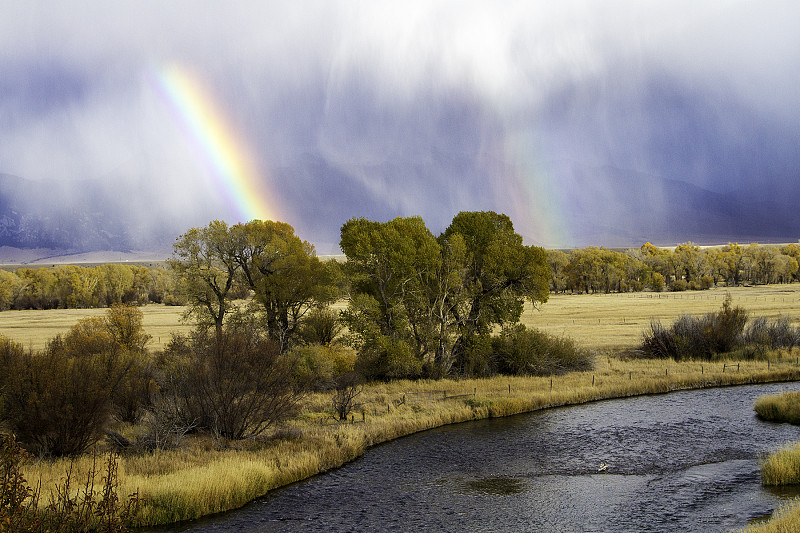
(603,467)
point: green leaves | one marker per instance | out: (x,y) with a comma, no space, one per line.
(433,295)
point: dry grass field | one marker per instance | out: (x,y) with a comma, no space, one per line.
(604,322)
(34,328)
(600,322)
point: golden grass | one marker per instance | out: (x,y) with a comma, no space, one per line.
(204,476)
(33,328)
(782,467)
(779,407)
(616,321)
(597,321)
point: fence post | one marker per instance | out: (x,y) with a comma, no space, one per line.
(630,376)
(592,380)
(509,388)
(666,371)
(551,383)
(474,392)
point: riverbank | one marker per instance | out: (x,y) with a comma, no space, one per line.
(205,475)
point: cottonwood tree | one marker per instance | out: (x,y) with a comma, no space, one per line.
(390,265)
(285,276)
(204,259)
(501,274)
(284,273)
(418,299)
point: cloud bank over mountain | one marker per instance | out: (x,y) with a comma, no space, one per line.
(588,123)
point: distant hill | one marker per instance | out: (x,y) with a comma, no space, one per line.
(75,216)
(628,208)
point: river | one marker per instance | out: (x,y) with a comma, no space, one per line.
(685,461)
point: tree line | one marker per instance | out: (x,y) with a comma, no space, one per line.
(686,267)
(70,286)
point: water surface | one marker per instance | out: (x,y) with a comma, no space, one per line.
(685,461)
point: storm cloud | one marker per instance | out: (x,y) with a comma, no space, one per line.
(605,123)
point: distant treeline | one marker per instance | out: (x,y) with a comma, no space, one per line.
(687,267)
(70,286)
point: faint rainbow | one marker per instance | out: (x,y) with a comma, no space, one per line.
(227,153)
(539,204)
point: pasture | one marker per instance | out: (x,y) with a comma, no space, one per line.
(601,322)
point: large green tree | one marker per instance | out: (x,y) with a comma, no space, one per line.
(204,259)
(500,274)
(284,273)
(419,299)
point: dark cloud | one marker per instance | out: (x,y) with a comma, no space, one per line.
(382,109)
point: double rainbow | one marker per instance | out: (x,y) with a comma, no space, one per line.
(226,153)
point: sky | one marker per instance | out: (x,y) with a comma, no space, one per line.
(586,122)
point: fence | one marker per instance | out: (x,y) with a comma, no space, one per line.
(430,396)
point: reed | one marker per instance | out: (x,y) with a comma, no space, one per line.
(207,475)
(780,407)
(782,467)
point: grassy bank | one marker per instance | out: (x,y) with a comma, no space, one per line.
(205,475)
(781,467)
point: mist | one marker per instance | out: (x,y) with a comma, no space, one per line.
(588,123)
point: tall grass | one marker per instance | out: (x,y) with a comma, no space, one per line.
(782,467)
(779,408)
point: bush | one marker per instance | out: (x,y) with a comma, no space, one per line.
(696,337)
(321,326)
(55,402)
(237,384)
(317,366)
(772,334)
(521,351)
(386,359)
(679,285)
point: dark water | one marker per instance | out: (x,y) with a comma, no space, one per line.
(686,461)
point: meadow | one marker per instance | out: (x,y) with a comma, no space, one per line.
(204,474)
(600,322)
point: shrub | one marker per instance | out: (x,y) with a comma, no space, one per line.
(318,366)
(59,402)
(696,337)
(679,285)
(237,384)
(522,351)
(348,388)
(321,326)
(706,282)
(772,334)
(388,358)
